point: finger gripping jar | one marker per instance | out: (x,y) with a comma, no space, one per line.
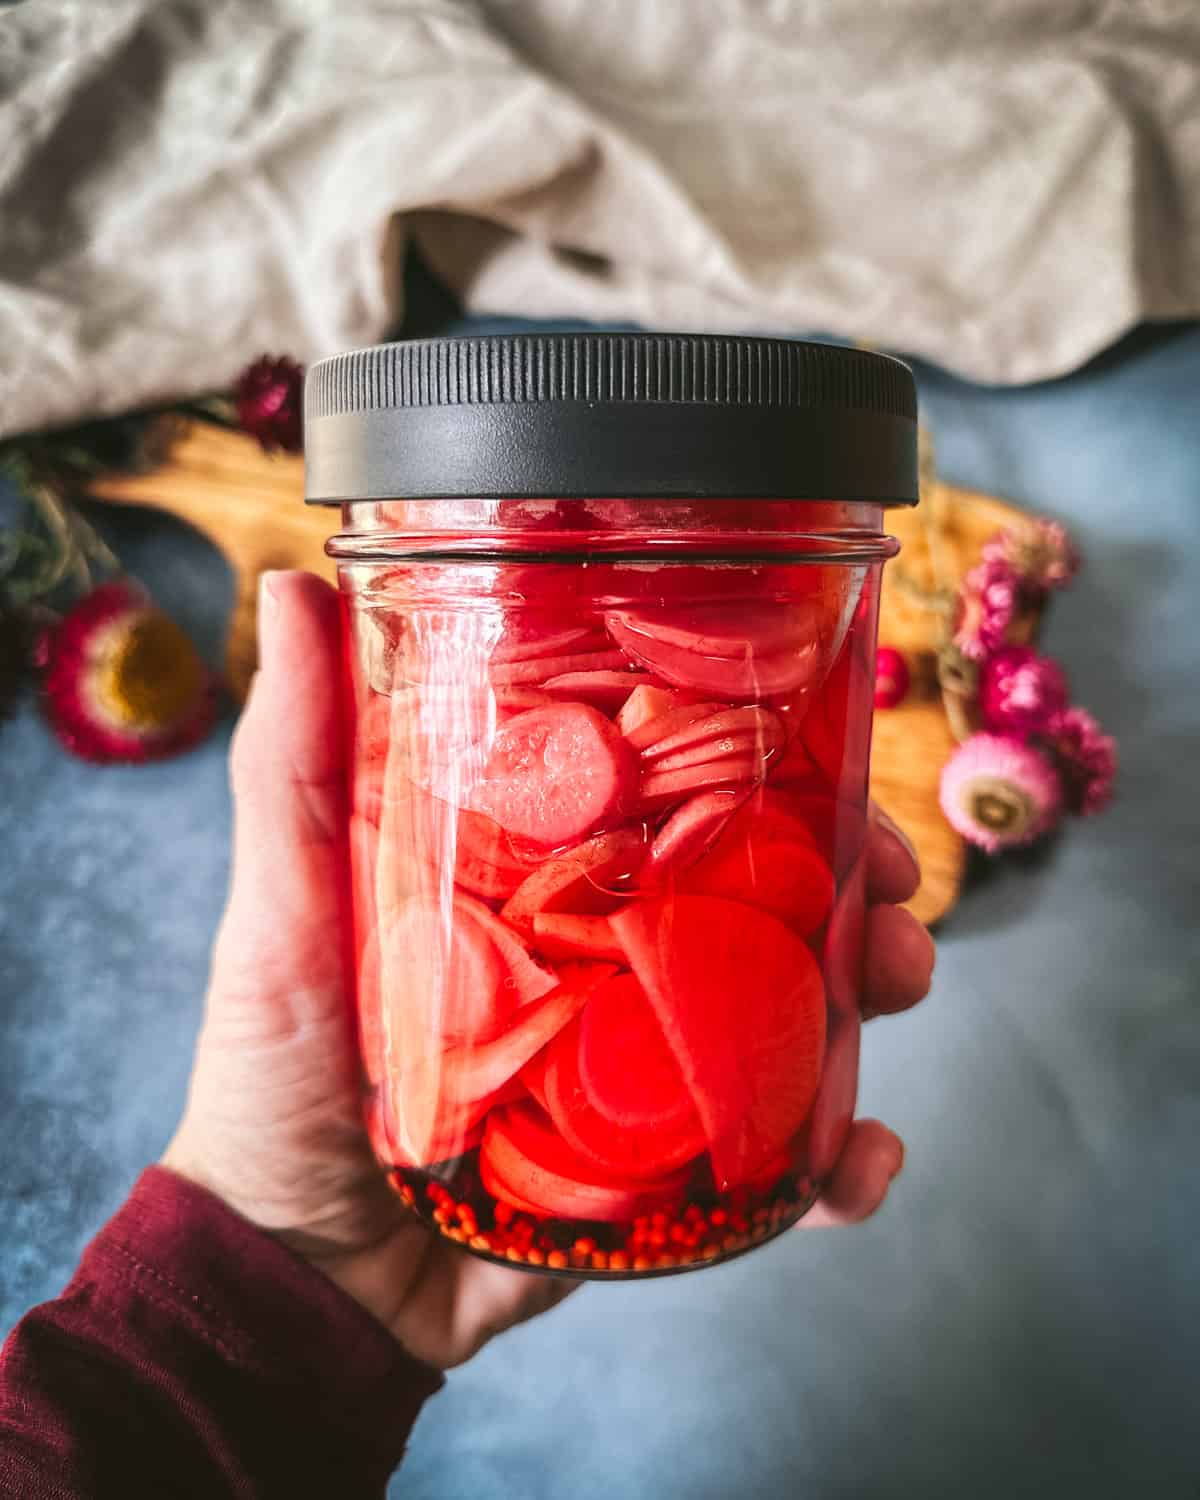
(610,612)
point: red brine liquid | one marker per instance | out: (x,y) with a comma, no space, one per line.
(607,850)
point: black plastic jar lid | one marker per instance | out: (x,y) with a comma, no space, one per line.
(610,414)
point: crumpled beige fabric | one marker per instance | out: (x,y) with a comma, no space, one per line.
(1003,187)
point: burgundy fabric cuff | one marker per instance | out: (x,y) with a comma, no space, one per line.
(264,1309)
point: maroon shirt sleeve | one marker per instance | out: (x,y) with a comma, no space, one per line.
(193,1355)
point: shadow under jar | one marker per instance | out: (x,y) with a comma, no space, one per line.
(610,614)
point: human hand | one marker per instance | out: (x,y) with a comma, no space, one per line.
(273,1119)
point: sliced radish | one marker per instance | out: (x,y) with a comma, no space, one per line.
(789,879)
(795,763)
(461,978)
(443,1134)
(522,1151)
(468,1072)
(678,717)
(844,942)
(526,980)
(833,1111)
(628,1072)
(565,935)
(645,703)
(542,668)
(494,1184)
(728,630)
(515,700)
(741,1003)
(606,691)
(633,1151)
(527,636)
(836,729)
(556,774)
(581,880)
(750,672)
(712,752)
(689,833)
(533,1076)
(488,862)
(720,734)
(663,788)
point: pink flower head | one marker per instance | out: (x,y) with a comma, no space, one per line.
(891,677)
(999,792)
(987,605)
(121,680)
(1041,552)
(268,396)
(1020,691)
(1087,757)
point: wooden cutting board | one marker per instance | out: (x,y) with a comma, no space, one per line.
(249,504)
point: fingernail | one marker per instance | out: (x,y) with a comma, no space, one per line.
(899,1159)
(898,833)
(268,613)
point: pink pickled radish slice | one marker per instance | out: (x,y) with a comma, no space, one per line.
(464,984)
(710,751)
(526,979)
(471,1071)
(676,718)
(606,691)
(838,825)
(634,1150)
(833,1111)
(740,1001)
(689,832)
(662,788)
(728,630)
(494,1184)
(555,774)
(737,651)
(529,636)
(581,879)
(452,1133)
(758,727)
(566,935)
(533,1076)
(535,1164)
(515,700)
(770,861)
(487,862)
(645,703)
(835,730)
(628,1072)
(542,668)
(844,942)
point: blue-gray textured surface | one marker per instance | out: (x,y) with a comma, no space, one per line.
(1024,1316)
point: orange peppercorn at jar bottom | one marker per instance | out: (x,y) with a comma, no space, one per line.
(608,797)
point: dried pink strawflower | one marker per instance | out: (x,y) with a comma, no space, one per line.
(121,680)
(1087,758)
(1040,551)
(268,395)
(987,605)
(999,792)
(1020,691)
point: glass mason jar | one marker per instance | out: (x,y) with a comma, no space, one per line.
(610,614)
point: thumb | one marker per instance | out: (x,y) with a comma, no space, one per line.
(286,927)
